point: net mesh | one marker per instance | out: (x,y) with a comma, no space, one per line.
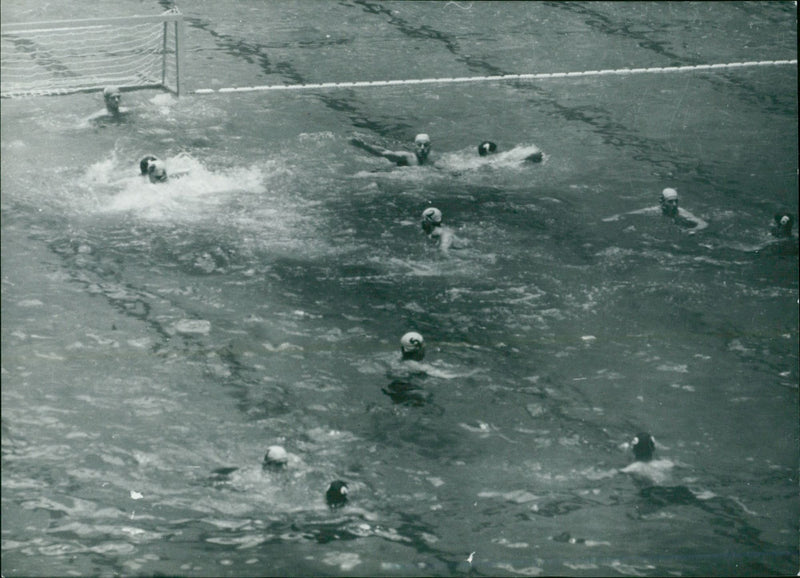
(54,58)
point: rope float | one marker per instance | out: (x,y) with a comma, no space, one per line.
(502,77)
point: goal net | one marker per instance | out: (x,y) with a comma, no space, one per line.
(67,56)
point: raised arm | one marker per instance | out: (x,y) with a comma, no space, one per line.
(398,157)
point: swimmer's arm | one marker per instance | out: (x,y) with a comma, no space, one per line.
(645,211)
(400,158)
(362,144)
(697,223)
(97,116)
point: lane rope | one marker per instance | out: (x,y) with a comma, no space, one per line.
(502,77)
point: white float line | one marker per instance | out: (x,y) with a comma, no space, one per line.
(503,77)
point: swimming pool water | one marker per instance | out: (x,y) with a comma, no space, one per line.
(154,334)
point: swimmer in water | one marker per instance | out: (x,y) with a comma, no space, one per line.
(643,446)
(113,111)
(785,242)
(412,347)
(668,207)
(336,496)
(782,225)
(405,388)
(144,164)
(432,225)
(644,467)
(157,171)
(276,458)
(422,149)
(488,148)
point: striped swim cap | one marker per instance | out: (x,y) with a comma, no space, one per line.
(411,341)
(432,216)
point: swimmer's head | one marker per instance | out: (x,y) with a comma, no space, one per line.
(144,164)
(157,171)
(422,146)
(412,346)
(643,446)
(336,496)
(112,96)
(782,225)
(487,148)
(669,202)
(276,457)
(669,194)
(431,218)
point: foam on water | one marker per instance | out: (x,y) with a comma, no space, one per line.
(157,338)
(193,192)
(513,159)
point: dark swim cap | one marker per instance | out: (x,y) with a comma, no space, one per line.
(782,225)
(487,147)
(144,164)
(336,496)
(643,446)
(784,220)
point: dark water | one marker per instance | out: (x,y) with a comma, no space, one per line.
(154,334)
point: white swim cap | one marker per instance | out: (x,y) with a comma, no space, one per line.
(276,455)
(411,341)
(432,216)
(144,164)
(422,138)
(110,91)
(157,171)
(785,220)
(668,194)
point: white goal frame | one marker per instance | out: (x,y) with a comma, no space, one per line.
(70,56)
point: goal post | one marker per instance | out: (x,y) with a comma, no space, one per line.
(68,56)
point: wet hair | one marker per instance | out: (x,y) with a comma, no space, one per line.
(643,447)
(144,164)
(487,147)
(336,496)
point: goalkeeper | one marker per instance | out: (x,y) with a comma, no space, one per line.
(113,111)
